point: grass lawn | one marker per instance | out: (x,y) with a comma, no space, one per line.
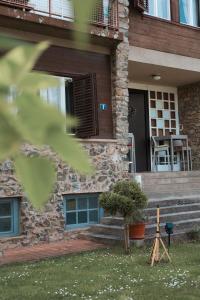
(105,274)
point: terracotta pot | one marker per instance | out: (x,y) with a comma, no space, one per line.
(137,231)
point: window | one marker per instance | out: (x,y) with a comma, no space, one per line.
(76,96)
(160,9)
(60,9)
(189,12)
(81,210)
(9,217)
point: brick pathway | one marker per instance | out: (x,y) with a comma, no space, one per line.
(42,251)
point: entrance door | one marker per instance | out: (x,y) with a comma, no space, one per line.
(139,126)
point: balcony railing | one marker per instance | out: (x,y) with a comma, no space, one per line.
(104,14)
(23,4)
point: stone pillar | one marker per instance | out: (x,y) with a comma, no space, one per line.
(189,113)
(120,95)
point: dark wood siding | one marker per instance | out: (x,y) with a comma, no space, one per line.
(153,33)
(63,61)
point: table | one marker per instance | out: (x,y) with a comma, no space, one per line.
(170,139)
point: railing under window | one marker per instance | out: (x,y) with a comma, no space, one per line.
(24,4)
(105,12)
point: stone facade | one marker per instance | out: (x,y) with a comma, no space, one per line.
(48,225)
(189,113)
(108,157)
(120,76)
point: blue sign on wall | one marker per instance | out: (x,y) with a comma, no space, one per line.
(103,106)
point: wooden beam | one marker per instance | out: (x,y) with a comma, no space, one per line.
(174,10)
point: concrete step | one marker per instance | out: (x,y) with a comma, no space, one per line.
(159,195)
(118,221)
(103,238)
(107,230)
(173,209)
(183,225)
(172,201)
(175,217)
(115,240)
(170,180)
(158,175)
(175,187)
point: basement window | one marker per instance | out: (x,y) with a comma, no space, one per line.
(9,217)
(189,12)
(81,210)
(160,9)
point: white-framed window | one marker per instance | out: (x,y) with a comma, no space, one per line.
(57,96)
(189,12)
(160,9)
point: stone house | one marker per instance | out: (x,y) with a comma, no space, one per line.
(94,72)
(142,69)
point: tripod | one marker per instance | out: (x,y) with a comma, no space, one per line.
(155,253)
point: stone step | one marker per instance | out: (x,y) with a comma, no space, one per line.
(173,209)
(183,225)
(118,221)
(107,229)
(175,187)
(175,217)
(114,239)
(155,195)
(164,235)
(170,180)
(103,238)
(181,174)
(173,201)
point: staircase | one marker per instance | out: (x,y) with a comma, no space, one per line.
(177,194)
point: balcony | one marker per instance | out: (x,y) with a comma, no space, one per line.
(23,4)
(105,13)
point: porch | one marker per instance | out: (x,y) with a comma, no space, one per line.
(164,97)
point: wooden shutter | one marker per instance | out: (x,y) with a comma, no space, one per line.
(85,105)
(142,5)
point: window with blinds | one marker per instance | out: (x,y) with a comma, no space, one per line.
(62,9)
(76,96)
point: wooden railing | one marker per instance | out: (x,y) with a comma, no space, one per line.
(105,12)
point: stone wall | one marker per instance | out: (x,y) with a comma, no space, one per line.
(120,96)
(189,113)
(48,225)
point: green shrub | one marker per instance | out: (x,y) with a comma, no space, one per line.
(125,198)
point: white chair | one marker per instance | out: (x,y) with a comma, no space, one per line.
(159,151)
(185,154)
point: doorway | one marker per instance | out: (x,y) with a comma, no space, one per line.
(139,125)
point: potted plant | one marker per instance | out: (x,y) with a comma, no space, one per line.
(127,199)
(136,218)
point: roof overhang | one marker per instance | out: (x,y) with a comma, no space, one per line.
(175,70)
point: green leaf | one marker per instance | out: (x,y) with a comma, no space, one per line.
(18,62)
(10,138)
(69,150)
(83,13)
(35,81)
(9,42)
(37,176)
(36,117)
